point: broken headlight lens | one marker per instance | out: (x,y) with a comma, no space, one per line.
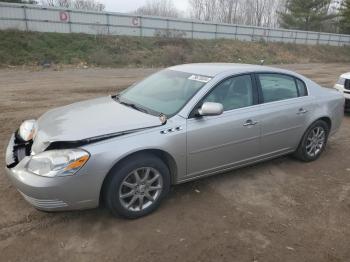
(58,162)
(28,129)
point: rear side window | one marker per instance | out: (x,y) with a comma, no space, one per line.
(276,87)
(301,87)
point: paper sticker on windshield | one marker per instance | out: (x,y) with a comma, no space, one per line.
(198,78)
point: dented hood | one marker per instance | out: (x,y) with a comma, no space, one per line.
(89,119)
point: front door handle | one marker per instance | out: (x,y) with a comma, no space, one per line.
(250,123)
(302,111)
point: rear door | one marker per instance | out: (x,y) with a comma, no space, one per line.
(284,108)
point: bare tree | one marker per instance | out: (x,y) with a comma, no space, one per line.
(227,11)
(250,12)
(196,9)
(91,5)
(48,2)
(210,10)
(57,3)
(51,3)
(261,12)
(206,10)
(165,8)
(88,5)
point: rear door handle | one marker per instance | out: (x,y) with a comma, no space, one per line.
(250,123)
(302,111)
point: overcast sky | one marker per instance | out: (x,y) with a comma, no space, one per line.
(131,5)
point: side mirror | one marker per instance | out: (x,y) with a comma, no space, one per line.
(211,109)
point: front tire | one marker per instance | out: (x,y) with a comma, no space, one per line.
(136,187)
(313,142)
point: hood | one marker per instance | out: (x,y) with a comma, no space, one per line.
(87,119)
(346,75)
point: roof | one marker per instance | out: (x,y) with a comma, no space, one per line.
(346,75)
(213,69)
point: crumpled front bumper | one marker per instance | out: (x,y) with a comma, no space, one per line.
(48,193)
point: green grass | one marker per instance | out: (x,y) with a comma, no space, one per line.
(31,48)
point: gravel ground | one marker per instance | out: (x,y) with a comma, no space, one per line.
(281,210)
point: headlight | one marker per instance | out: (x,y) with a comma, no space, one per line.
(58,162)
(341,81)
(28,129)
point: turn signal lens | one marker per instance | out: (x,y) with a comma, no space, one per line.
(76,165)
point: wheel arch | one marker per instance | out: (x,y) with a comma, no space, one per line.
(298,153)
(326,119)
(167,158)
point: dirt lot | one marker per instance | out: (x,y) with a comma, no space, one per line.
(281,210)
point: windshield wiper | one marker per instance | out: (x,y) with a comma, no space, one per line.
(134,106)
(117,98)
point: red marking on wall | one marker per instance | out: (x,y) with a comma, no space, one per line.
(64,16)
(135,21)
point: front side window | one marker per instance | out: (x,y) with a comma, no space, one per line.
(276,87)
(233,93)
(165,92)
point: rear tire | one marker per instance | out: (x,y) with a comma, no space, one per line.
(136,187)
(313,142)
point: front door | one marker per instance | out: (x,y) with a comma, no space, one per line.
(216,143)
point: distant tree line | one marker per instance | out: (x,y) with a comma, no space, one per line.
(32,2)
(91,5)
(164,8)
(312,15)
(248,12)
(344,21)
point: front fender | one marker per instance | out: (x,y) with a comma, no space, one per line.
(106,154)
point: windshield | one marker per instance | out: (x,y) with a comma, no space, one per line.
(165,92)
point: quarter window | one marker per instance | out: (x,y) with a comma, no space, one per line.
(233,93)
(277,87)
(301,88)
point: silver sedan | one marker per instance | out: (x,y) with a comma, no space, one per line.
(180,124)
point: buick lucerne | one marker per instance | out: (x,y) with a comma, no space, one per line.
(177,125)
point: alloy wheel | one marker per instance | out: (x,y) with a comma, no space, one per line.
(315,141)
(140,189)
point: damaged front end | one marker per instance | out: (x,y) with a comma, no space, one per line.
(86,141)
(18,148)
